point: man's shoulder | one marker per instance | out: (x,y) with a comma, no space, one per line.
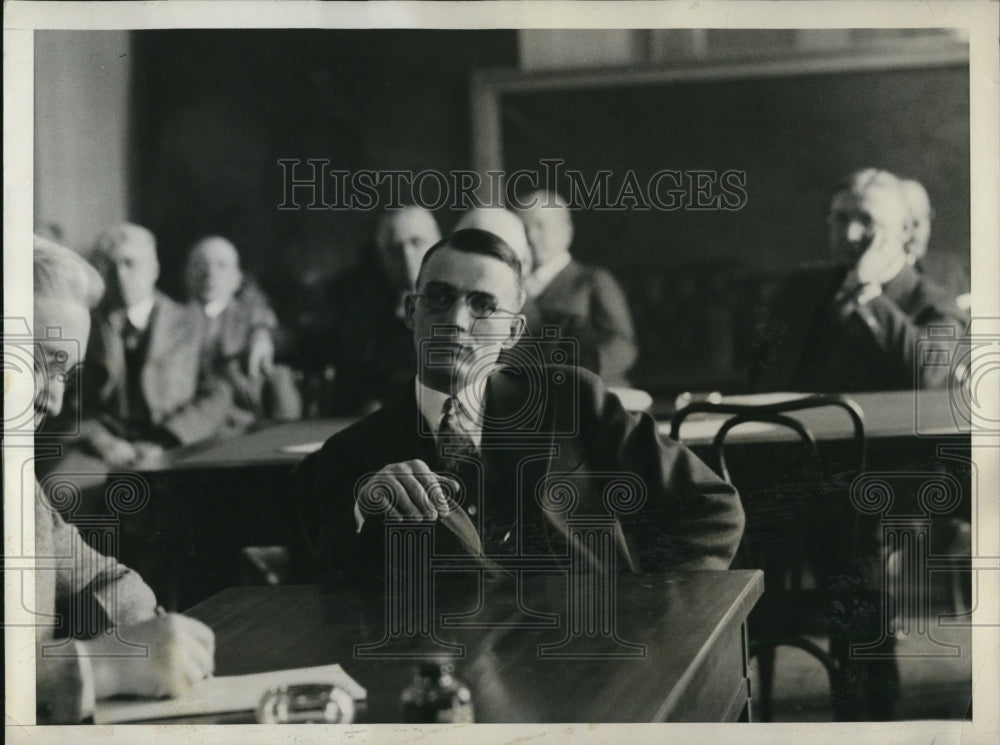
(544,383)
(526,374)
(931,302)
(572,281)
(163,302)
(373,432)
(185,317)
(589,276)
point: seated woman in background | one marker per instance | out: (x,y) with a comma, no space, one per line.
(133,649)
(239,334)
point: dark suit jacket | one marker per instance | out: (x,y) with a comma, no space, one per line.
(359,333)
(73,578)
(248,310)
(227,348)
(183,397)
(573,437)
(587,304)
(873,348)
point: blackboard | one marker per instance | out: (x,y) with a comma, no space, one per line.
(793,135)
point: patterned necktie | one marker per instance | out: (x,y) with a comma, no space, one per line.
(457,455)
(455,445)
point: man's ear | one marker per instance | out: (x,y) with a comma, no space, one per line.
(518,326)
(409,307)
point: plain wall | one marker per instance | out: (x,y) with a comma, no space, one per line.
(82,109)
(216,111)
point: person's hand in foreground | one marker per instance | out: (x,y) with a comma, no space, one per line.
(180,652)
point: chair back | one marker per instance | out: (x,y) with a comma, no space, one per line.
(796,502)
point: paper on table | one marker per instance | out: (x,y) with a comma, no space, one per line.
(765,399)
(303,449)
(221,694)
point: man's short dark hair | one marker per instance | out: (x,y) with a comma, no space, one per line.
(475,241)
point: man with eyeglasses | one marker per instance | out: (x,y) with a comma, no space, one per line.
(472,446)
(876,305)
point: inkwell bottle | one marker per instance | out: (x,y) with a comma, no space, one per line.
(436,696)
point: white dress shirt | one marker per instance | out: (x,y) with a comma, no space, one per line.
(469,417)
(213,308)
(138,313)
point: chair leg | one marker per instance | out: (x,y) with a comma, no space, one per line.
(765,663)
(864,690)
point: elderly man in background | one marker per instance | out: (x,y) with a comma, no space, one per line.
(920,214)
(240,327)
(77,582)
(360,335)
(866,336)
(146,387)
(585,302)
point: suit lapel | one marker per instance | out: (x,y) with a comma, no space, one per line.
(414,436)
(167,331)
(111,351)
(535,458)
(518,449)
(561,284)
(162,328)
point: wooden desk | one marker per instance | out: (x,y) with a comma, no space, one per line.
(888,415)
(693,626)
(215,497)
(276,446)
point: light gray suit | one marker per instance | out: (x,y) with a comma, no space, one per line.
(73,578)
(182,396)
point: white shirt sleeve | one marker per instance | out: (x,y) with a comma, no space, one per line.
(358,517)
(88,698)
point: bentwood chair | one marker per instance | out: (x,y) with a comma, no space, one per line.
(815,552)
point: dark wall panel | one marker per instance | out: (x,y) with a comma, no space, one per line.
(793,136)
(214,111)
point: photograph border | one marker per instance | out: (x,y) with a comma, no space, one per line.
(21,18)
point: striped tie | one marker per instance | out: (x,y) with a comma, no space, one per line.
(455,446)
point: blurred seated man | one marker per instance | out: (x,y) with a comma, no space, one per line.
(146,387)
(78,582)
(360,330)
(860,321)
(918,222)
(921,215)
(239,334)
(461,446)
(585,302)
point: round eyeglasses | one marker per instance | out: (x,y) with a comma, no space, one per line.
(440,296)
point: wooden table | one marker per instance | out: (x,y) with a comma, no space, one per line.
(691,624)
(212,498)
(889,415)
